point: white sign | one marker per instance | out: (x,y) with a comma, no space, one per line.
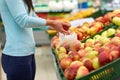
(78,22)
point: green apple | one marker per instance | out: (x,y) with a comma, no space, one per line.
(62,55)
(88,49)
(60,49)
(116,20)
(95,62)
(111,32)
(97,38)
(105,40)
(92,54)
(89,43)
(90,40)
(104,34)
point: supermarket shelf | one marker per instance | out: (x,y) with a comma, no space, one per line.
(61,11)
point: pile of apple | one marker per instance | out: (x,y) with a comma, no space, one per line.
(79,59)
(88,29)
(107,18)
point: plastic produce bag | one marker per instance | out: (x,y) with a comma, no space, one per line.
(70,41)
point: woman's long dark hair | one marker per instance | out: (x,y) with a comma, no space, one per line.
(29,4)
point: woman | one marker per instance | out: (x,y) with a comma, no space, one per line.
(18,54)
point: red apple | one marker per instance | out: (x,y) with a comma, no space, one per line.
(99,19)
(71,45)
(66,45)
(71,71)
(96,27)
(55,37)
(80,30)
(108,16)
(79,36)
(116,11)
(88,64)
(75,45)
(115,54)
(93,30)
(73,55)
(97,45)
(117,15)
(65,63)
(117,35)
(54,43)
(115,40)
(76,64)
(82,71)
(104,57)
(82,53)
(102,49)
(99,26)
(113,46)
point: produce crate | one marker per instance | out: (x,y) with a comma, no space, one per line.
(110,71)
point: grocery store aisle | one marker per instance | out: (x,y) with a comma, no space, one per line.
(45,66)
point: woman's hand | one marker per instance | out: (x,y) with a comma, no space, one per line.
(59,26)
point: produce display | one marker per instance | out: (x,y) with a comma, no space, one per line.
(96,45)
(100,22)
(67,18)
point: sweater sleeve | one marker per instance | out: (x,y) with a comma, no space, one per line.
(34,14)
(21,17)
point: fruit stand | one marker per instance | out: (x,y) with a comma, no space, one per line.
(87,13)
(95,55)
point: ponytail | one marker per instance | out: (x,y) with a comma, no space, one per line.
(29,4)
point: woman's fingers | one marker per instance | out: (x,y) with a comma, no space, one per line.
(66,26)
(62,27)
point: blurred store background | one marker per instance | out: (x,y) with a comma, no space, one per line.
(64,10)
